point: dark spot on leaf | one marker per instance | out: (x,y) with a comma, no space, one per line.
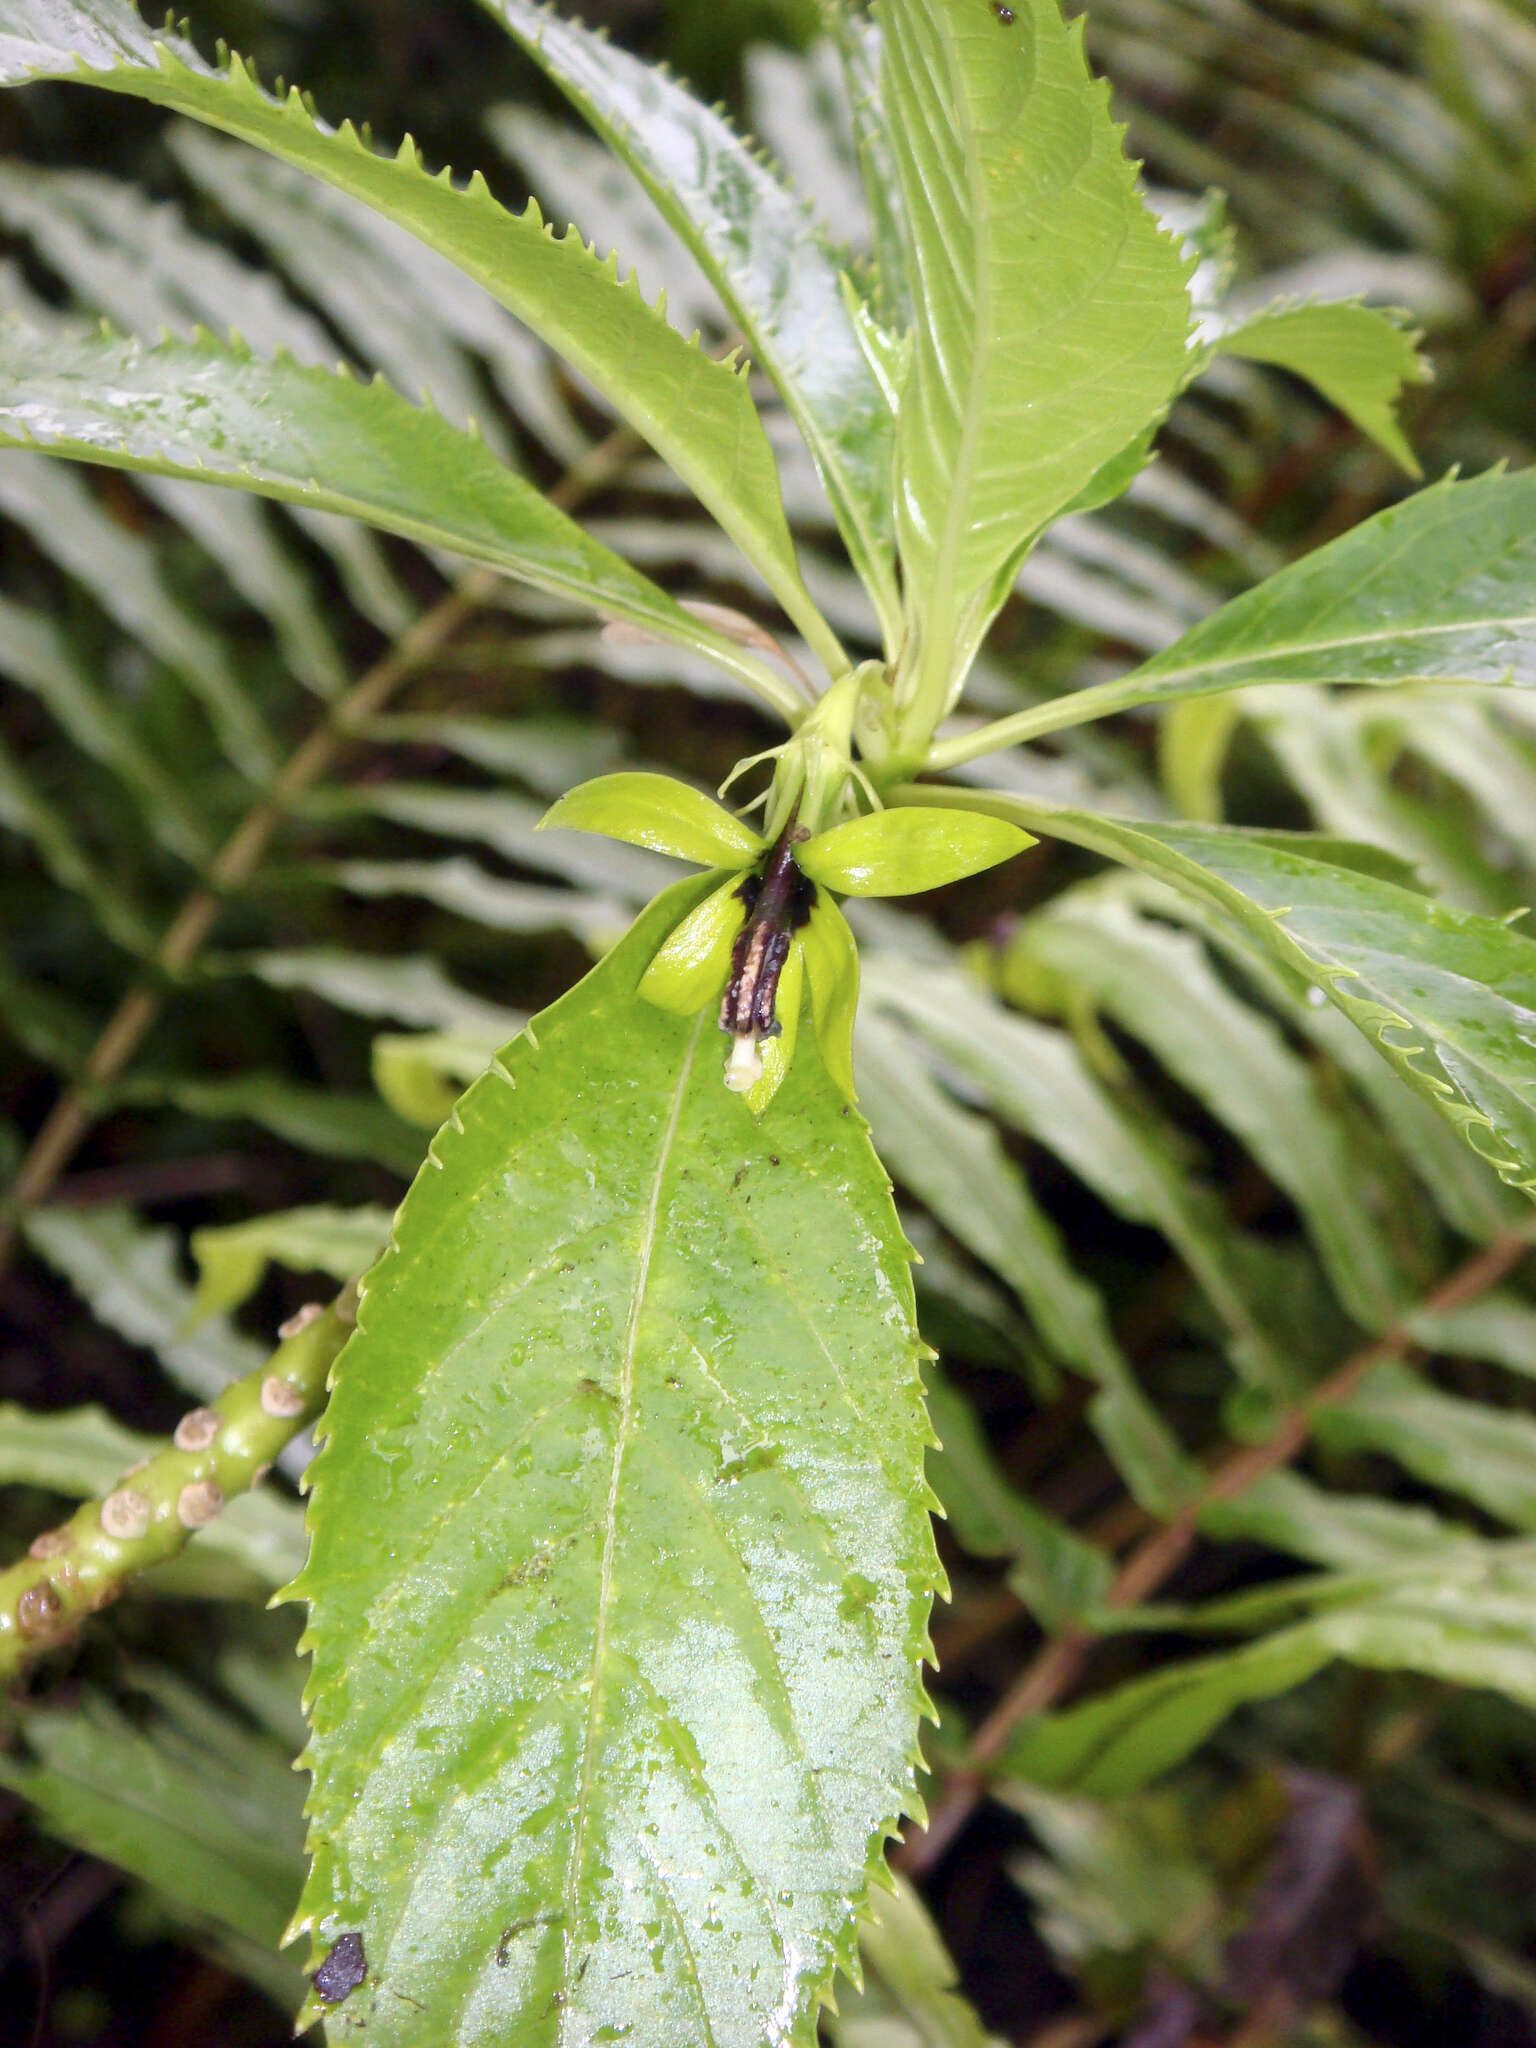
(1004,14)
(343,1969)
(773,1158)
(740,1176)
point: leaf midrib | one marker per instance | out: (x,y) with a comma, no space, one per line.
(1279,650)
(581,1812)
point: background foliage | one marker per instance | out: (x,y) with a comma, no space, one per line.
(1202,1204)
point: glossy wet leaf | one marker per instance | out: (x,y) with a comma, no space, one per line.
(898,853)
(1359,357)
(1051,309)
(621,1561)
(659,812)
(1437,587)
(691,965)
(763,249)
(695,412)
(215,413)
(1448,997)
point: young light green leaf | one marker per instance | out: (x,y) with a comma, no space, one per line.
(1448,997)
(608,1729)
(695,412)
(898,853)
(1359,357)
(1052,314)
(1435,589)
(832,969)
(691,967)
(216,413)
(660,812)
(766,255)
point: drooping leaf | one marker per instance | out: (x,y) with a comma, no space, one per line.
(607,1731)
(697,413)
(954,1162)
(1448,997)
(1051,309)
(327,1121)
(764,252)
(1052,1568)
(1035,1078)
(209,1818)
(1359,357)
(1159,985)
(1484,1453)
(1464,1623)
(215,413)
(121,570)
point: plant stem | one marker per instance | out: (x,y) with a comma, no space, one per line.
(152,1513)
(75,1111)
(1057,1666)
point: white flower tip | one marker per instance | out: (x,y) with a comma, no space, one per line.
(744,1068)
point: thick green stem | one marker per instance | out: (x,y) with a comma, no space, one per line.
(217,1452)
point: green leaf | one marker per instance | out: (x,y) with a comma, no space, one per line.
(898,853)
(211,1820)
(219,414)
(1435,589)
(1036,1079)
(954,1162)
(1486,1454)
(695,412)
(691,966)
(1057,1572)
(324,1121)
(660,812)
(621,1562)
(422,1074)
(122,571)
(1052,314)
(832,969)
(911,1996)
(232,1257)
(766,255)
(1359,357)
(1159,985)
(411,988)
(1448,997)
(1468,1625)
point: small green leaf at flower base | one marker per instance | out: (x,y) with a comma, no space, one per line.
(776,1053)
(897,853)
(832,967)
(658,812)
(689,970)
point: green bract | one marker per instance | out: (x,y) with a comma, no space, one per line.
(885,853)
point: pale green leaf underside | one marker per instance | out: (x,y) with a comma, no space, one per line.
(1357,356)
(1447,996)
(218,414)
(763,250)
(621,1561)
(695,412)
(1052,313)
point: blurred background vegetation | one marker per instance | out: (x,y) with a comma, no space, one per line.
(1351,1860)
